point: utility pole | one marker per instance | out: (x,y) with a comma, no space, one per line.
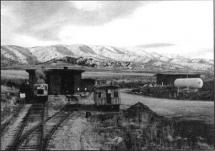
(214,63)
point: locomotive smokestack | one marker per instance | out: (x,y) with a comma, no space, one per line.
(40,76)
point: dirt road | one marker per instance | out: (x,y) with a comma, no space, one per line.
(183,109)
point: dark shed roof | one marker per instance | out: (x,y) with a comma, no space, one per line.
(57,69)
(169,78)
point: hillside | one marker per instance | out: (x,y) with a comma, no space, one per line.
(107,57)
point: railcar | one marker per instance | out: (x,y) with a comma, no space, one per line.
(107,98)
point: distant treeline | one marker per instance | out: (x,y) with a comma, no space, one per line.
(170,92)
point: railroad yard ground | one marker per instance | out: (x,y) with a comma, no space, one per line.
(78,132)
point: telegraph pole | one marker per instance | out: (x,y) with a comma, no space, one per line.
(214,64)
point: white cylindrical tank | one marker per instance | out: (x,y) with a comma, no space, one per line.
(188,82)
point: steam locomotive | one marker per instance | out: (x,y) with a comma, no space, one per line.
(40,92)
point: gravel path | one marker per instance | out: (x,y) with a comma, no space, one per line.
(74,134)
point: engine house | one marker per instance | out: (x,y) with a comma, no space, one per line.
(60,81)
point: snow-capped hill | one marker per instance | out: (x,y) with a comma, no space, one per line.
(46,53)
(101,56)
(18,54)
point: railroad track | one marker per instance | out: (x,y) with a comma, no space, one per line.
(51,127)
(33,118)
(34,133)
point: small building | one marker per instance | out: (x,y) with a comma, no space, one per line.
(60,81)
(107,98)
(169,78)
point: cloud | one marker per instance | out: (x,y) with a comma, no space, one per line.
(179,27)
(203,53)
(44,19)
(156,45)
(87,5)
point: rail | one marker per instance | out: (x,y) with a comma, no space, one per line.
(52,130)
(36,130)
(36,112)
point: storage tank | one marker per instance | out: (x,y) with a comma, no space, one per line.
(188,82)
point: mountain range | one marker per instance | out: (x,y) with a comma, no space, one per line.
(107,57)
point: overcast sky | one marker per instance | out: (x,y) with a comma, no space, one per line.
(178,27)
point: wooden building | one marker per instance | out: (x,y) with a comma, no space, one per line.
(64,81)
(60,81)
(107,98)
(169,78)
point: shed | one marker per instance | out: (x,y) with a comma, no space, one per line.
(169,78)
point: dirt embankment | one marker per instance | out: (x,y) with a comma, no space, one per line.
(75,134)
(136,128)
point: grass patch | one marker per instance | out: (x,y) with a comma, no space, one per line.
(13,78)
